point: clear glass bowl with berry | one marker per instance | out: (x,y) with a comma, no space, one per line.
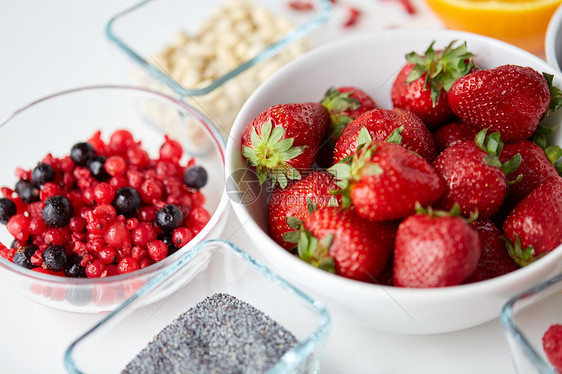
(213,53)
(96,199)
(533,327)
(235,316)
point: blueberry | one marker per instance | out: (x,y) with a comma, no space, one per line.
(7,210)
(73,268)
(127,200)
(167,238)
(42,174)
(97,168)
(23,255)
(168,218)
(81,153)
(54,258)
(57,211)
(29,192)
(195,177)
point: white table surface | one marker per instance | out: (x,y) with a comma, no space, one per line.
(48,46)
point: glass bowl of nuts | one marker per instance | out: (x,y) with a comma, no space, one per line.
(214,53)
(96,200)
(235,316)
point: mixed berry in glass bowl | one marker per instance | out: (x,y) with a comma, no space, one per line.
(96,199)
(105,208)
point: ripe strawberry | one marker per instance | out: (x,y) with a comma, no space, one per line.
(344,105)
(494,259)
(340,241)
(283,140)
(474,177)
(510,99)
(552,345)
(434,250)
(451,133)
(384,181)
(535,167)
(534,226)
(381,123)
(422,84)
(295,200)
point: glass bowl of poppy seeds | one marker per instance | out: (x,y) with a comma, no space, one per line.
(235,316)
(96,199)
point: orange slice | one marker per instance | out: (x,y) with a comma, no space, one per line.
(519,22)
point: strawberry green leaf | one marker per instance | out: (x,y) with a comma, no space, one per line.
(311,206)
(293,222)
(363,137)
(441,68)
(337,102)
(333,202)
(291,237)
(395,136)
(558,167)
(481,138)
(555,94)
(553,153)
(342,173)
(493,143)
(492,160)
(522,257)
(512,164)
(316,252)
(269,154)
(372,169)
(539,137)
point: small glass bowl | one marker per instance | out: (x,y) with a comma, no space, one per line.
(57,122)
(525,318)
(141,33)
(214,266)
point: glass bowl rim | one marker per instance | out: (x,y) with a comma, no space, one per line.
(302,350)
(269,51)
(156,267)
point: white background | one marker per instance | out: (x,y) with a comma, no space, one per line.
(47,46)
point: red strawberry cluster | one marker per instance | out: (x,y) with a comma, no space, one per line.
(454,184)
(107,208)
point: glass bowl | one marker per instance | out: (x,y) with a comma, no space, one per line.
(214,266)
(349,62)
(53,125)
(525,318)
(154,35)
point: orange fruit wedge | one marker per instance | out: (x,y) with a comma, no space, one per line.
(519,22)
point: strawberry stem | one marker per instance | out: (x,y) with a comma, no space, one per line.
(269,154)
(522,257)
(336,102)
(441,68)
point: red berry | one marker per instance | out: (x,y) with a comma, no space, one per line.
(96,269)
(157,250)
(552,345)
(117,235)
(181,236)
(104,193)
(171,150)
(115,166)
(127,265)
(18,227)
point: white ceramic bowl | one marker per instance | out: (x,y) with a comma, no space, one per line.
(371,62)
(553,40)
